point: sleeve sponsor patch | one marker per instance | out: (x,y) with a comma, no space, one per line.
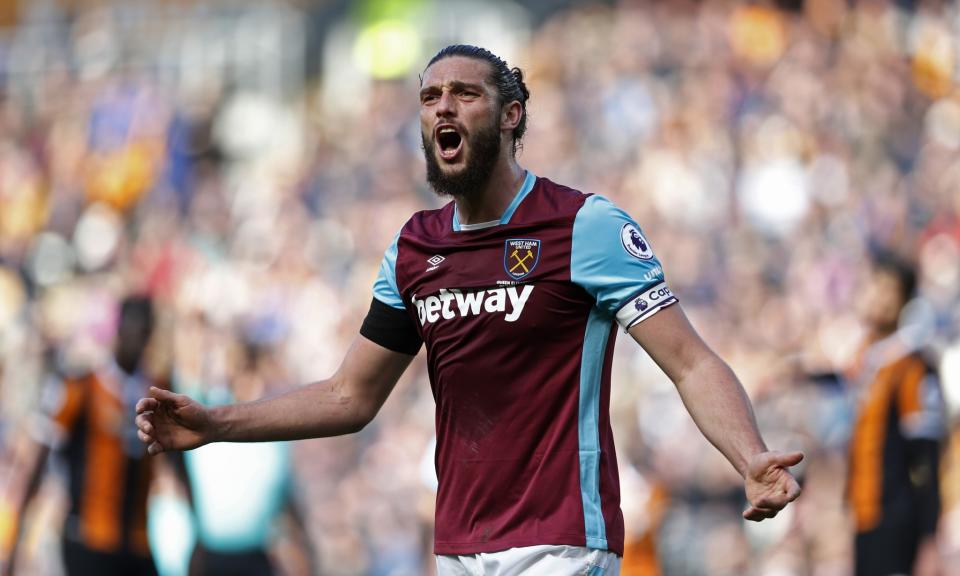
(634,243)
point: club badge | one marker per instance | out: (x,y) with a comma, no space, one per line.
(520,256)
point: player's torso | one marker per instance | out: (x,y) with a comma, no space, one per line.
(504,331)
(891,400)
(109,473)
(497,311)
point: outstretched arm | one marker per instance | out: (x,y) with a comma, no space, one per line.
(342,404)
(721,409)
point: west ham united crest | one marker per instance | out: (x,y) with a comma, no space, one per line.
(520,256)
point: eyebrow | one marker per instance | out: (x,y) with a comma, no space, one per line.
(455,86)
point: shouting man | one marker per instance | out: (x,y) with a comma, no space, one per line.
(516,288)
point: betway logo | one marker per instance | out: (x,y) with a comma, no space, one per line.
(449,304)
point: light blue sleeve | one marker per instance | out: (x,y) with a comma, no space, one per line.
(612,260)
(385,286)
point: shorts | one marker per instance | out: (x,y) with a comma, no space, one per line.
(79,560)
(532,561)
(889,549)
(206,562)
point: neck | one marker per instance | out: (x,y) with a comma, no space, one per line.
(127,365)
(878,333)
(490,204)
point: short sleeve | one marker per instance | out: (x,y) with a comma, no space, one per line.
(385,286)
(391,328)
(613,261)
(921,405)
(61,402)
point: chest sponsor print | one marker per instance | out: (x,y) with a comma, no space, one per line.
(450,303)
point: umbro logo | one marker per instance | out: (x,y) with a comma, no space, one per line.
(434,262)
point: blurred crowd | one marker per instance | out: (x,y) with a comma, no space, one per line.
(767,149)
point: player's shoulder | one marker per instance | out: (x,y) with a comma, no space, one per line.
(586,205)
(557,196)
(600,222)
(903,363)
(597,209)
(550,201)
(430,223)
(561,192)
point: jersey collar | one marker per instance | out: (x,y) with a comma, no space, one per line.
(525,189)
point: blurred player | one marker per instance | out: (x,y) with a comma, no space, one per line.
(242,493)
(894,455)
(517,288)
(88,419)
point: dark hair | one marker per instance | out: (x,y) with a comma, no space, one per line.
(133,332)
(884,260)
(137,310)
(509,81)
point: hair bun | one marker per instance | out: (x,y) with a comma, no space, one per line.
(518,76)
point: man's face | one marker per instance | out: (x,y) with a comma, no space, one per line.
(460,125)
(133,335)
(882,300)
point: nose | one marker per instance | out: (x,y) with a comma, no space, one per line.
(447,104)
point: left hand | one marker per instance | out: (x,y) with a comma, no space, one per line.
(769,485)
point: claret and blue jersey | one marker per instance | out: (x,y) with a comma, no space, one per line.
(518,318)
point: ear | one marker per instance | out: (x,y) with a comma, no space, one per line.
(510,115)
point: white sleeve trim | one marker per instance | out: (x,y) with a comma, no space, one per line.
(645,305)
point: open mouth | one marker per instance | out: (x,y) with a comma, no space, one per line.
(449,142)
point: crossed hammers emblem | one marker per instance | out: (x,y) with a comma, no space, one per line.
(521,262)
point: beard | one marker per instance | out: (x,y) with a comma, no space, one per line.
(484,150)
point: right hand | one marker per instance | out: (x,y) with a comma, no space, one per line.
(169,421)
(769,484)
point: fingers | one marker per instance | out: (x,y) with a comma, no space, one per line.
(147,404)
(788,459)
(157,395)
(766,507)
(785,491)
(783,495)
(145,429)
(792,489)
(771,502)
(143,422)
(163,395)
(763,462)
(153,447)
(757,514)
